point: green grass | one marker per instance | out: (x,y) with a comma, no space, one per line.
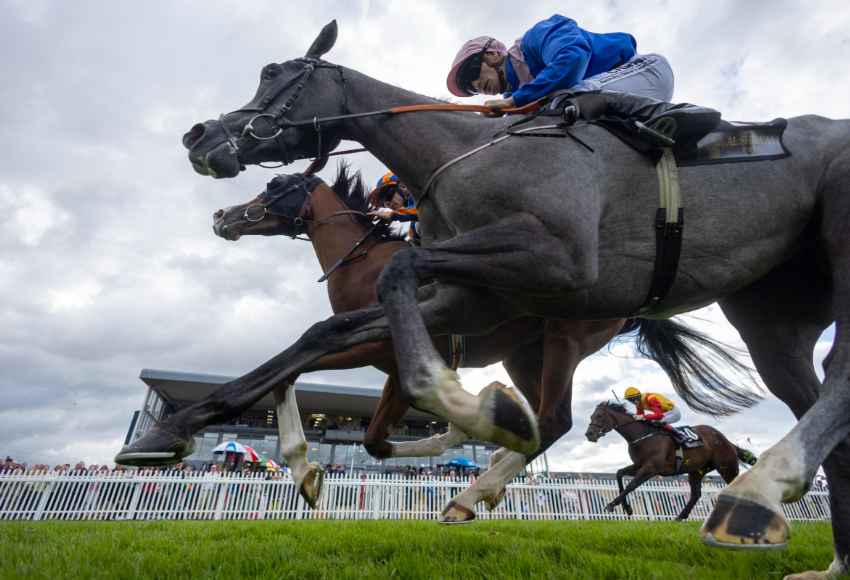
(344,549)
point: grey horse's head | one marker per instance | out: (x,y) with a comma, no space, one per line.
(297,90)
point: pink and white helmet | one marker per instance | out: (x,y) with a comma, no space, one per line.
(471,48)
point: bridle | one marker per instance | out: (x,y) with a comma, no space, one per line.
(602,430)
(255,213)
(266,109)
(278,123)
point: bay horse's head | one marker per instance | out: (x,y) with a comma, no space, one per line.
(296,90)
(291,204)
(606,417)
(282,209)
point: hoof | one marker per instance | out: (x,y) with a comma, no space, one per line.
(156,447)
(628,509)
(493,501)
(741,523)
(311,486)
(514,424)
(454,513)
(610,507)
(497,414)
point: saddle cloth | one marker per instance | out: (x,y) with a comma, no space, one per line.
(688,438)
(736,142)
(728,143)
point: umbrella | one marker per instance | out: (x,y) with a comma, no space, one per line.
(462,462)
(230,446)
(252,456)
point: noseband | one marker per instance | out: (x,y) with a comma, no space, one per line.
(275,116)
(278,193)
(613,427)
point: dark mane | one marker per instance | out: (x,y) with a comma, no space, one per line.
(353,192)
(615,406)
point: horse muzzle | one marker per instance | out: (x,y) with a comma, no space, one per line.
(230,232)
(211,152)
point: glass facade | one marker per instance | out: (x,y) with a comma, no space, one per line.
(335,442)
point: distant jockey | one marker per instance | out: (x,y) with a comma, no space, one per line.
(394,202)
(556,55)
(653,407)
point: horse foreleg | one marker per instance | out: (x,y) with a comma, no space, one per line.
(621,473)
(293,446)
(640,477)
(695,480)
(515,254)
(442,307)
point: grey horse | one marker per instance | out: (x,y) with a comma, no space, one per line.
(556,229)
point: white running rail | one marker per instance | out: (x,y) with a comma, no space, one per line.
(134,495)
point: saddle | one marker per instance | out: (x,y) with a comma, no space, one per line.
(701,138)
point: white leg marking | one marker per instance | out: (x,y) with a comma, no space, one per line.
(430,447)
(293,444)
(779,476)
(474,414)
(492,481)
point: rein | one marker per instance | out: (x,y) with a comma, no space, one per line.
(266,209)
(616,428)
(276,116)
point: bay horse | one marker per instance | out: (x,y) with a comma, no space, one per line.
(563,229)
(352,251)
(653,452)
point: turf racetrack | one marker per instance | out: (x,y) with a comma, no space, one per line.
(381,549)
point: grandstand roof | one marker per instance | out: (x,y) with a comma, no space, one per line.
(179,388)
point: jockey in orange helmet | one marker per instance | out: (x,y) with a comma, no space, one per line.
(653,407)
(394,202)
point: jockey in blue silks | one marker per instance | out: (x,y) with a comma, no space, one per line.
(557,54)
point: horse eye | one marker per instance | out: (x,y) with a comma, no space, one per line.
(270,71)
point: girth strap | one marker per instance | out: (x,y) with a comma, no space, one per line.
(457,351)
(669,223)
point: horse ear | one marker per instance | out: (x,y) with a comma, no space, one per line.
(324,42)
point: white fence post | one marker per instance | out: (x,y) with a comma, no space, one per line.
(42,502)
(134,500)
(221,487)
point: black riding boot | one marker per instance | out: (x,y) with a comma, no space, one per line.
(681,122)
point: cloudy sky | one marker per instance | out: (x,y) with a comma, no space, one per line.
(108,260)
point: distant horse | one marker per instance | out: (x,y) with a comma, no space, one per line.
(653,452)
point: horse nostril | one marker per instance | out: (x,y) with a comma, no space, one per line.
(195,134)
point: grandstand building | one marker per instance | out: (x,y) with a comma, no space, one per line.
(334,417)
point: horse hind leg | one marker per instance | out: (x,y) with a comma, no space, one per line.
(391,408)
(781,318)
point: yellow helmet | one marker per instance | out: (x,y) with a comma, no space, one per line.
(631,392)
